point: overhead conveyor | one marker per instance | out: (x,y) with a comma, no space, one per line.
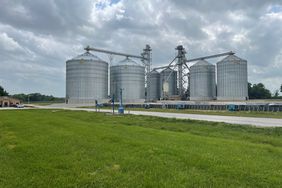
(145,57)
(181,66)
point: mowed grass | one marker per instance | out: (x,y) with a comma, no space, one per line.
(56,148)
(44,103)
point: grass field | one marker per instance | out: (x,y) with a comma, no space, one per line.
(56,148)
(45,103)
(208,112)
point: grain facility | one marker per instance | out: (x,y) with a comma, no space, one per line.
(86,79)
(130,77)
(232,79)
(202,81)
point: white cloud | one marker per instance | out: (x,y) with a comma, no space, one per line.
(104,10)
(8,43)
(237,16)
(273,16)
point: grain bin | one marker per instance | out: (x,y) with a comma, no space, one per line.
(86,79)
(154,91)
(202,81)
(168,83)
(232,79)
(130,77)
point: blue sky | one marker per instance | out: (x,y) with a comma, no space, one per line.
(276,8)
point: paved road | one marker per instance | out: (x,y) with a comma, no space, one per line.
(260,122)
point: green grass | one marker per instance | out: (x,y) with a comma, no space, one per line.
(56,148)
(207,112)
(45,103)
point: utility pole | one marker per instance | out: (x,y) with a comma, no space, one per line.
(113,103)
(120,108)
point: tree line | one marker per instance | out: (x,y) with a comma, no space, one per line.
(35,97)
(32,97)
(258,91)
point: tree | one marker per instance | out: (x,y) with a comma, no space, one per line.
(258,91)
(37,97)
(281,88)
(3,92)
(20,96)
(276,94)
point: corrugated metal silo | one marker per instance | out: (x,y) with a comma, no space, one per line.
(154,90)
(202,81)
(86,79)
(232,79)
(129,76)
(168,83)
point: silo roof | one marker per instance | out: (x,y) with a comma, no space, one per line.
(202,63)
(87,56)
(127,61)
(232,58)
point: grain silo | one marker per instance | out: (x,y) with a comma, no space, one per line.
(168,83)
(202,81)
(154,90)
(232,79)
(86,79)
(130,77)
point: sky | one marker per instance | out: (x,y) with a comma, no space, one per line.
(38,36)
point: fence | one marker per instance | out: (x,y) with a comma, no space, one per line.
(266,107)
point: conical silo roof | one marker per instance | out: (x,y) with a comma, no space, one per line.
(232,58)
(127,61)
(202,63)
(87,56)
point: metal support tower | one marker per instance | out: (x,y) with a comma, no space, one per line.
(180,63)
(147,59)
